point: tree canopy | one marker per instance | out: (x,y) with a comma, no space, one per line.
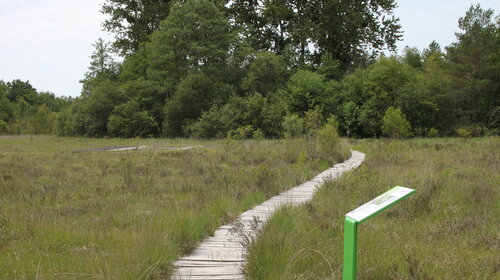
(201,68)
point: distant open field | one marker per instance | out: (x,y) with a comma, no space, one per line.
(449,229)
(70,213)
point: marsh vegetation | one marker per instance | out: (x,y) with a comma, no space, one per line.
(448,229)
(130,214)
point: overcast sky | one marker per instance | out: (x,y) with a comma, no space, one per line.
(48,42)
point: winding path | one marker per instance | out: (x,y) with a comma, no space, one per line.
(222,256)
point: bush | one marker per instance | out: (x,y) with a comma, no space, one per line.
(328,136)
(4,128)
(266,74)
(433,132)
(262,113)
(395,124)
(313,121)
(194,95)
(258,134)
(306,89)
(243,132)
(293,126)
(129,120)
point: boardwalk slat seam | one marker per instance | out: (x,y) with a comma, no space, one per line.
(222,256)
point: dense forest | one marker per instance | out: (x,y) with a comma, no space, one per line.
(205,69)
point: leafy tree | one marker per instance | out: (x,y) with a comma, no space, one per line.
(395,124)
(266,74)
(22,115)
(133,21)
(293,126)
(101,61)
(330,67)
(433,48)
(130,120)
(418,104)
(374,89)
(328,136)
(474,62)
(347,29)
(40,122)
(4,127)
(350,116)
(412,57)
(191,98)
(94,110)
(194,38)
(306,90)
(263,114)
(6,108)
(18,89)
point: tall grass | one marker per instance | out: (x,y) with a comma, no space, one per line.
(449,229)
(129,215)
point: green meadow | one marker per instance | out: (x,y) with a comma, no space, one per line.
(128,215)
(449,229)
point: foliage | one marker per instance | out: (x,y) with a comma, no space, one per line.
(293,126)
(96,212)
(130,120)
(194,38)
(345,29)
(204,68)
(242,132)
(188,103)
(101,61)
(265,114)
(434,234)
(328,136)
(474,63)
(4,127)
(133,21)
(266,74)
(306,90)
(395,124)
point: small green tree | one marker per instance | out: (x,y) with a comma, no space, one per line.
(395,124)
(192,97)
(328,136)
(130,120)
(4,128)
(306,90)
(266,74)
(293,126)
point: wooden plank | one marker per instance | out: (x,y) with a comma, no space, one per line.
(222,256)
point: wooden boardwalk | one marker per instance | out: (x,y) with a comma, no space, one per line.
(222,256)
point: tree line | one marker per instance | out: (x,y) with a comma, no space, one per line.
(201,68)
(24,110)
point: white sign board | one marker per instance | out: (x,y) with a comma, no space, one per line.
(380,202)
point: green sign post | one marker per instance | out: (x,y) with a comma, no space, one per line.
(361,214)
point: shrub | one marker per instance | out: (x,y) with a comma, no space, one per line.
(266,74)
(328,136)
(4,128)
(129,120)
(242,132)
(258,134)
(192,97)
(433,132)
(313,121)
(262,113)
(293,126)
(306,89)
(395,124)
